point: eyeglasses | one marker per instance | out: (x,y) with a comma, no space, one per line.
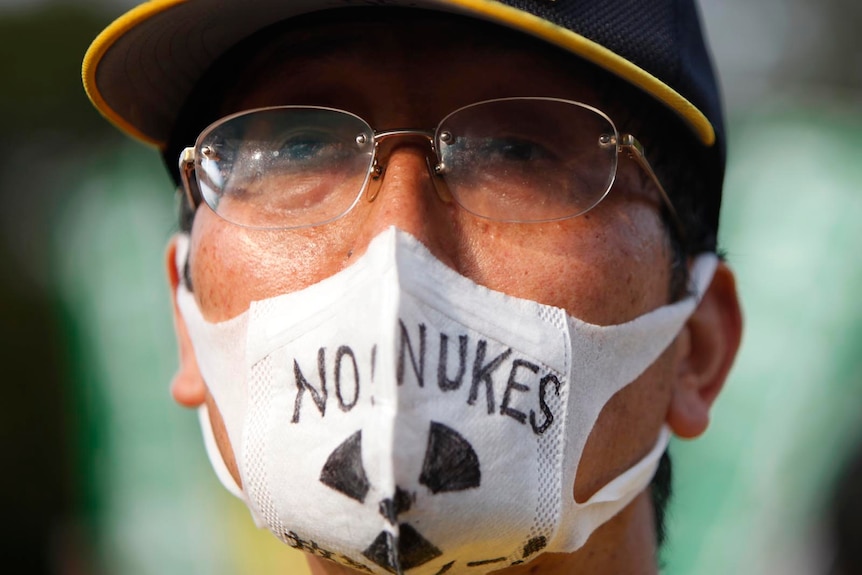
(517,160)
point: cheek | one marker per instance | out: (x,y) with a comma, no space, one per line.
(231,266)
(605,267)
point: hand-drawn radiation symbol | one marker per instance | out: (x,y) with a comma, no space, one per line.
(450,464)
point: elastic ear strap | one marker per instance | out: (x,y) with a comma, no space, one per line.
(607,359)
(702,272)
(584,518)
(181,258)
(214,454)
(220,352)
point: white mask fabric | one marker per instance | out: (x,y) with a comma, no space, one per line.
(399,418)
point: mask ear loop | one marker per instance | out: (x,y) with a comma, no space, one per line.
(214,454)
(579,519)
(181,259)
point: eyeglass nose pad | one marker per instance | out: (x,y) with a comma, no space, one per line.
(435,171)
(376,172)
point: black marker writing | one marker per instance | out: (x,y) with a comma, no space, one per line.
(443,380)
(543,405)
(302,384)
(513,385)
(491,369)
(482,374)
(339,356)
(405,344)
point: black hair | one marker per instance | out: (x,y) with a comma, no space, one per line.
(661,489)
(844,516)
(688,170)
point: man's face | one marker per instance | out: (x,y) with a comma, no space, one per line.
(605,267)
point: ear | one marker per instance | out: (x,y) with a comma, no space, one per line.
(707,346)
(187,387)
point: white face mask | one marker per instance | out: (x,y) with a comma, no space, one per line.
(397,417)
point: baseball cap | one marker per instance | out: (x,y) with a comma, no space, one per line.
(140,69)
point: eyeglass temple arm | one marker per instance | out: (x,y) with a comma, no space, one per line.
(635,150)
(187,176)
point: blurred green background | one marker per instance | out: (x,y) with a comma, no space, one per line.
(103,474)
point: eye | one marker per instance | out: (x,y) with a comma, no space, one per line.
(304,149)
(307,147)
(511,149)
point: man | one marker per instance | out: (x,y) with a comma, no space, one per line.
(444,281)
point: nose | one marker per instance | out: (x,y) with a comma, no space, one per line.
(405,195)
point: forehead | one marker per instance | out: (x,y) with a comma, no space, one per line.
(399,66)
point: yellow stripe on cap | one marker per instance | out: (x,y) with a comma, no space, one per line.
(596,53)
(103,42)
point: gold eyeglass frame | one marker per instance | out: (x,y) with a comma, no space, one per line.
(626,144)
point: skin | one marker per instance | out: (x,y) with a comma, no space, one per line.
(606,267)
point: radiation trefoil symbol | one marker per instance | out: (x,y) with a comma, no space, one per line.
(450,464)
